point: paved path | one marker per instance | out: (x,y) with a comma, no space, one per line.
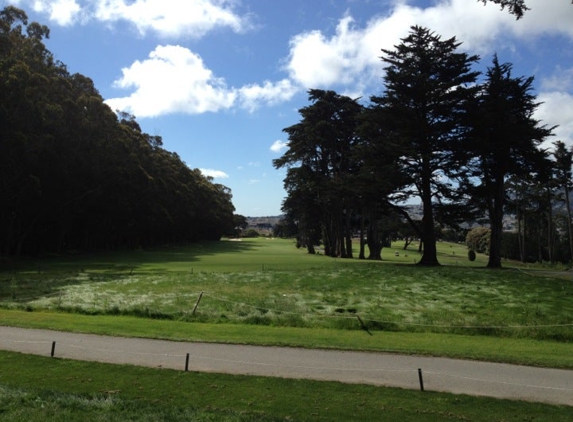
(439,374)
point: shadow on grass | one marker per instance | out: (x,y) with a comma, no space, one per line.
(27,278)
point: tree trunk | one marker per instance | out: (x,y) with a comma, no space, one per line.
(361,255)
(569,228)
(373,240)
(348,236)
(496,223)
(430,253)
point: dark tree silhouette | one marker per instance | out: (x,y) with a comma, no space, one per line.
(505,142)
(425,100)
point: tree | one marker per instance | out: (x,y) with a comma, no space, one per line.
(319,157)
(74,176)
(505,142)
(427,90)
(515,7)
(563,163)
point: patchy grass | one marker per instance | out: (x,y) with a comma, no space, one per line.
(291,288)
(79,391)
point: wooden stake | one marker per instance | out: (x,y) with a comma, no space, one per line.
(197,304)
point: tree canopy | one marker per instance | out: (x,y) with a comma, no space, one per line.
(436,133)
(75,175)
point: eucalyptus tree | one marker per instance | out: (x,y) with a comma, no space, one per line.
(428,84)
(506,139)
(320,166)
(73,175)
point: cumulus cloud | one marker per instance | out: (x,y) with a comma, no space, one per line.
(173,79)
(351,56)
(279,146)
(215,174)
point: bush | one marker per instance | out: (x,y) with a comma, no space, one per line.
(472,255)
(478,239)
(251,233)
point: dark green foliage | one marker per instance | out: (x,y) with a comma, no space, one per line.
(428,86)
(74,176)
(506,139)
(472,255)
(251,233)
(515,7)
(321,170)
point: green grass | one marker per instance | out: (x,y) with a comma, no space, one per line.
(79,391)
(269,282)
(264,291)
(486,348)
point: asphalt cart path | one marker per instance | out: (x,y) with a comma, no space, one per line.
(384,369)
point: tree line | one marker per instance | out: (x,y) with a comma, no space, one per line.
(75,175)
(463,144)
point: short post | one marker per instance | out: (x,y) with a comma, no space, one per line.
(187,363)
(421,379)
(197,304)
(53,348)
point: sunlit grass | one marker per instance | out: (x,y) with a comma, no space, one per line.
(269,282)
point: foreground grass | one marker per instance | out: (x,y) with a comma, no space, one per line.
(79,391)
(509,350)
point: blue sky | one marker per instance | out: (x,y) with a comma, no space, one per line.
(218,80)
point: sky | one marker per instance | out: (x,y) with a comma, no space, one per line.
(219,80)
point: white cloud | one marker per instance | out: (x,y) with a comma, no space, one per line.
(557,109)
(544,19)
(317,61)
(252,96)
(215,174)
(351,56)
(562,79)
(279,146)
(63,12)
(173,18)
(172,80)
(167,18)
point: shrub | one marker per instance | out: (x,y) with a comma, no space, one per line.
(478,239)
(472,255)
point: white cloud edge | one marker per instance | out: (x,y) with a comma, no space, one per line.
(165,18)
(279,146)
(215,174)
